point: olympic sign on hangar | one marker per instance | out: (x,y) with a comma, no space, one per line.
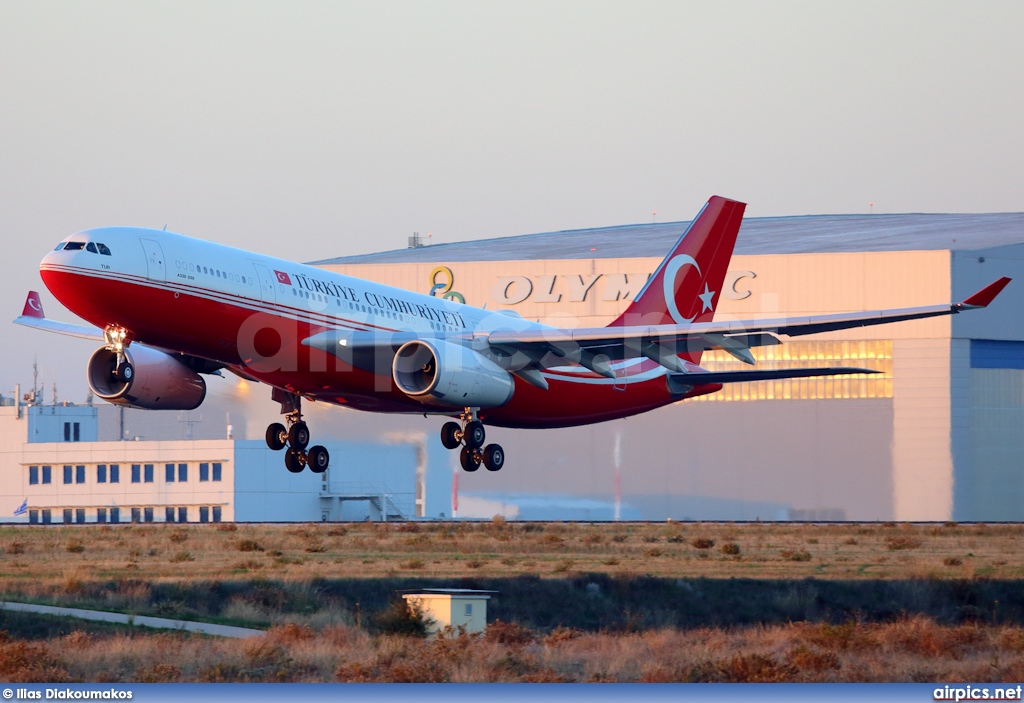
(576,288)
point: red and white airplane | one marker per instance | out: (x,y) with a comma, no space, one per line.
(169,308)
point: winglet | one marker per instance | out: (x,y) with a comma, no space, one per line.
(33,306)
(986,295)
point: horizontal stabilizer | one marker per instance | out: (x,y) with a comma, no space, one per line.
(682,382)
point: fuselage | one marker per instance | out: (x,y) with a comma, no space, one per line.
(251,312)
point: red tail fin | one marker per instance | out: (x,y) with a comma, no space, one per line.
(687,284)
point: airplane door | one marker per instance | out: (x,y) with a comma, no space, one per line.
(267,281)
(155,268)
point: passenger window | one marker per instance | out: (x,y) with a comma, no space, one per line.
(104,249)
(74,246)
(91,247)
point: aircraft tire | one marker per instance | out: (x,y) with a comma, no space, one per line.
(474,435)
(318,459)
(298,436)
(469,459)
(450,435)
(494,457)
(276,435)
(293,461)
(125,373)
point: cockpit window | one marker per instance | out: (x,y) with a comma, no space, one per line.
(91,247)
(60,246)
(74,246)
(104,249)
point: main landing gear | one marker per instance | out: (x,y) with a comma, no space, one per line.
(296,438)
(470,434)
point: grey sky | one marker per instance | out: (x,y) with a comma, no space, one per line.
(309,130)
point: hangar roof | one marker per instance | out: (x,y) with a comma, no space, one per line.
(758,235)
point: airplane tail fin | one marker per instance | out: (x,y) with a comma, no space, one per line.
(687,284)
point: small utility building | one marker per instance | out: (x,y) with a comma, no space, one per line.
(457,607)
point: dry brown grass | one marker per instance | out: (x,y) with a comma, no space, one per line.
(914,649)
(502,549)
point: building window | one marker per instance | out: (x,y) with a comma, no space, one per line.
(68,517)
(101,473)
(182,472)
(168,514)
(216,471)
(148,471)
(204,514)
(67,474)
(115,475)
(147,514)
(101,514)
(77,437)
(33,517)
(67,431)
(33,475)
(169,473)
(469,608)
(136,514)
(115,515)
(47,517)
(136,473)
(867,353)
(204,472)
(80,515)
(47,474)
(182,514)
(216,513)
(80,474)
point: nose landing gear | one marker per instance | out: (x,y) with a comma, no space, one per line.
(471,435)
(295,438)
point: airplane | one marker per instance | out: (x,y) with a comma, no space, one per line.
(170,309)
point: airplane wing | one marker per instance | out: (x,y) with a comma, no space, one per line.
(527,352)
(32,316)
(595,348)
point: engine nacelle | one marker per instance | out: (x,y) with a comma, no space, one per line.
(450,375)
(158,381)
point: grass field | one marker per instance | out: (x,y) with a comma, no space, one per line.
(577,602)
(505,549)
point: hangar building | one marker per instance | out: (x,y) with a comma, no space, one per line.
(938,435)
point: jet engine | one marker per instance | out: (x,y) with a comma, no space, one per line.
(148,379)
(450,375)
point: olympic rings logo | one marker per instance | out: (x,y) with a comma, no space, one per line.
(444,287)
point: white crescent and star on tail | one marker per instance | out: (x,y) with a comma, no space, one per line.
(669,286)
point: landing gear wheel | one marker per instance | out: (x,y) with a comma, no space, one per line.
(298,436)
(470,459)
(494,457)
(450,432)
(317,459)
(276,436)
(295,461)
(124,373)
(474,434)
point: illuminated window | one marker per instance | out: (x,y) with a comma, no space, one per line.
(869,354)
